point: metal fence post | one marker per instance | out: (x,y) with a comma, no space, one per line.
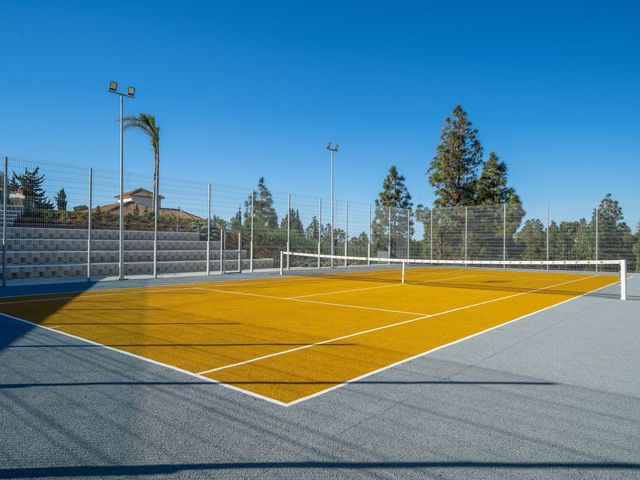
(431,233)
(466,232)
(209,229)
(369,239)
(597,233)
(288,230)
(408,234)
(89,224)
(389,239)
(4,221)
(253,194)
(548,216)
(156,214)
(319,229)
(504,234)
(346,232)
(623,280)
(240,248)
(221,251)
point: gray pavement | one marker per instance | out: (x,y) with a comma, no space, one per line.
(554,395)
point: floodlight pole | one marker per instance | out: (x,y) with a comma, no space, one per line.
(5,202)
(121,210)
(113,88)
(332,151)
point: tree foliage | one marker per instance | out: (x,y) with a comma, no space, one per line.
(264,214)
(31,182)
(61,200)
(146,123)
(392,212)
(453,170)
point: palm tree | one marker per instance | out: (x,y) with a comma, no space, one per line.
(147,123)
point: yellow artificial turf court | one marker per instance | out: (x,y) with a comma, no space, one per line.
(289,338)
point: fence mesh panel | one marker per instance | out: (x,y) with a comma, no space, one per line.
(49,208)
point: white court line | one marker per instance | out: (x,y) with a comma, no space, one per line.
(410,282)
(155,362)
(381,286)
(344,291)
(384,327)
(428,352)
(345,305)
(89,296)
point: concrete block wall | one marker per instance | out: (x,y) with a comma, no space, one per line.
(34,253)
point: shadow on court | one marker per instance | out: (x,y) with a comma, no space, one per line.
(12,329)
(10,386)
(167,469)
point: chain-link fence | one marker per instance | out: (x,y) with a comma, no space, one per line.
(62,221)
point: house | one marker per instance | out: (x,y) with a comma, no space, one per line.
(139,196)
(141,200)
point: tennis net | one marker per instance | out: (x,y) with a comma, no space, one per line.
(574,277)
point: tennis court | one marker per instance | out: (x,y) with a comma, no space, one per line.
(286,339)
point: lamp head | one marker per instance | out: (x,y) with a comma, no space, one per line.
(113,86)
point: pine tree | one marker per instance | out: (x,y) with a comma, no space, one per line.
(296,224)
(236,221)
(453,170)
(491,187)
(31,183)
(264,215)
(61,200)
(392,207)
(615,238)
(312,230)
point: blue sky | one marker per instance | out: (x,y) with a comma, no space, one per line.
(243,89)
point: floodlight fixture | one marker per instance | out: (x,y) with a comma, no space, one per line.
(113,86)
(131,91)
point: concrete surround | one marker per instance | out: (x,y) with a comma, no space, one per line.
(34,253)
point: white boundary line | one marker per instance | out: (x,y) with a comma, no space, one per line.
(155,362)
(124,292)
(299,400)
(381,286)
(387,367)
(292,299)
(344,291)
(384,327)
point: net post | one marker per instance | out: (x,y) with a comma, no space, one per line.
(4,221)
(281,261)
(288,228)
(403,266)
(369,239)
(623,279)
(253,195)
(89,224)
(408,233)
(346,232)
(319,229)
(221,251)
(504,235)
(208,229)
(597,228)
